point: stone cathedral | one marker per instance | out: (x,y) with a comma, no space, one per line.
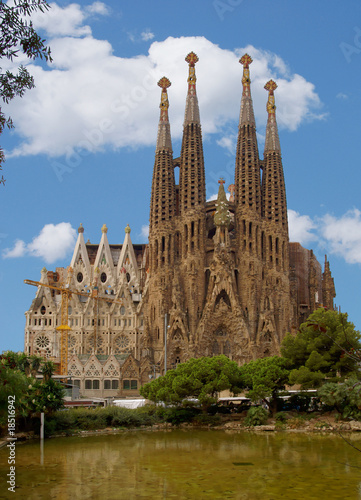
(217,277)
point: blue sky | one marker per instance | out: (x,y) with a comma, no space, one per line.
(83,147)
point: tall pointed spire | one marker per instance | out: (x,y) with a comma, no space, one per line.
(247,173)
(272,142)
(191,114)
(192,185)
(163,185)
(273,183)
(246,115)
(164,140)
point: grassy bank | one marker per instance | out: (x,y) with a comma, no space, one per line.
(75,420)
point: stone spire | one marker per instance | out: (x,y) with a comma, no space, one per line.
(191,114)
(272,142)
(163,185)
(164,140)
(246,115)
(273,183)
(247,172)
(192,186)
(222,217)
(328,286)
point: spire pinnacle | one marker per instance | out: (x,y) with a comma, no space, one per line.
(164,83)
(222,217)
(164,139)
(246,60)
(271,87)
(192,59)
(192,110)
(272,142)
(246,114)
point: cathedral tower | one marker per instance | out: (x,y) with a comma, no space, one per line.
(192,198)
(161,227)
(248,206)
(275,300)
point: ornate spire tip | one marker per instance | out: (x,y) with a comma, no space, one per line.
(246,60)
(192,58)
(164,83)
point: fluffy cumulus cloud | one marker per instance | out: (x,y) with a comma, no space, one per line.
(89,98)
(336,235)
(343,235)
(144,233)
(301,227)
(52,243)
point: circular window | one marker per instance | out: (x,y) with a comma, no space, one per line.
(79,277)
(42,341)
(103,277)
(122,342)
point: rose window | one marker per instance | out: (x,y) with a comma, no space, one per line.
(42,342)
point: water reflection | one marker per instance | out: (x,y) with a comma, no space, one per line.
(188,465)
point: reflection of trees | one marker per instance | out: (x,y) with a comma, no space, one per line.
(191,464)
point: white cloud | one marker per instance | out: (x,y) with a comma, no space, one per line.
(67,21)
(144,233)
(336,235)
(52,243)
(300,227)
(18,251)
(147,35)
(343,235)
(342,96)
(229,143)
(98,8)
(89,98)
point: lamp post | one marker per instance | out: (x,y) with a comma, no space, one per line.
(165,342)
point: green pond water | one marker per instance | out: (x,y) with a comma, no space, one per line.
(187,465)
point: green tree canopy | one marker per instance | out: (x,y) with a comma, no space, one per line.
(200,378)
(321,349)
(17,378)
(264,377)
(17,34)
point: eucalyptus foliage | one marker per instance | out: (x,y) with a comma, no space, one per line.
(18,36)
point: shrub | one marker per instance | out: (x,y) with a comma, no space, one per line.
(177,416)
(204,419)
(281,417)
(256,415)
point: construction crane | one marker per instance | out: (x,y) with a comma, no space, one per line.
(66,293)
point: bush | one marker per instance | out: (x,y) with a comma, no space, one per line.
(177,416)
(256,415)
(281,417)
(204,419)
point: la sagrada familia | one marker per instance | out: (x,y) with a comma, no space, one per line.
(217,277)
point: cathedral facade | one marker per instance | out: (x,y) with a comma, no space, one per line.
(217,277)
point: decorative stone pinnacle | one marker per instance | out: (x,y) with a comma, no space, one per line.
(104,229)
(127,229)
(80,228)
(164,83)
(221,181)
(246,60)
(192,59)
(271,87)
